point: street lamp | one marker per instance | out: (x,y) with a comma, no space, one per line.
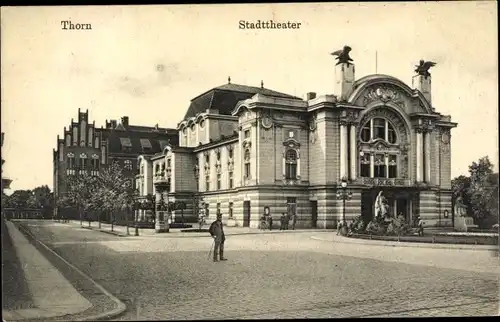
(136,211)
(344,195)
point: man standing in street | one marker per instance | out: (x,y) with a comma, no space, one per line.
(217,232)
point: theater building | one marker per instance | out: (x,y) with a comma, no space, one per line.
(242,148)
(87,148)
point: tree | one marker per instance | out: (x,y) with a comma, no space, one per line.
(479,192)
(19,199)
(79,193)
(116,192)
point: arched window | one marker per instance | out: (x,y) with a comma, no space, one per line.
(83,160)
(247,163)
(291,164)
(71,160)
(193,127)
(378,128)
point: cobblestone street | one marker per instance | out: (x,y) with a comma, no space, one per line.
(276,276)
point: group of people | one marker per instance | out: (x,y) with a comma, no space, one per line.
(286,220)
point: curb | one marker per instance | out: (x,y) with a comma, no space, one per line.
(105,231)
(121,307)
(412,245)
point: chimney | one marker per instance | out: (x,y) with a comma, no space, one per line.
(113,124)
(310,96)
(125,120)
(423,84)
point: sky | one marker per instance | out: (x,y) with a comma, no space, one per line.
(47,73)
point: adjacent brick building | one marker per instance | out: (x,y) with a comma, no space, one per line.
(242,148)
(85,148)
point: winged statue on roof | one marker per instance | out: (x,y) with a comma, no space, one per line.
(343,55)
(423,67)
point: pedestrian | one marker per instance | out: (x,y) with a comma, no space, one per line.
(287,221)
(294,221)
(339,227)
(282,221)
(420,227)
(217,232)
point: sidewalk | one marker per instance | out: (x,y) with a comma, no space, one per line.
(177,233)
(51,294)
(348,240)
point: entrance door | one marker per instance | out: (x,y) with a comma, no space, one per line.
(246,213)
(314,214)
(291,206)
(367,200)
(402,208)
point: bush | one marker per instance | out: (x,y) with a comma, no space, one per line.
(375,228)
(391,229)
(358,225)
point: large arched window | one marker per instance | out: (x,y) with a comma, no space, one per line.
(378,128)
(291,164)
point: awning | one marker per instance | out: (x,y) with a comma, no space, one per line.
(125,142)
(146,144)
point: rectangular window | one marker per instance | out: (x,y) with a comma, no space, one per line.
(218,208)
(393,166)
(379,128)
(169,163)
(230,210)
(365,165)
(71,163)
(379,166)
(246,134)
(230,153)
(207,210)
(291,170)
(231,180)
(83,162)
(219,185)
(207,159)
(365,133)
(247,170)
(207,183)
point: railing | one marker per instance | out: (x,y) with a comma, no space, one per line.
(386,182)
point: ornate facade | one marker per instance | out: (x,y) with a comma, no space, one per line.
(243,148)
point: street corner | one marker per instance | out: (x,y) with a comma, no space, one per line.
(58,288)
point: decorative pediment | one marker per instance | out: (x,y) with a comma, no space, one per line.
(95,156)
(384,93)
(291,143)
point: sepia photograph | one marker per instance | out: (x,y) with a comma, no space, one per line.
(250,161)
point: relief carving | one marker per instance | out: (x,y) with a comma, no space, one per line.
(385,94)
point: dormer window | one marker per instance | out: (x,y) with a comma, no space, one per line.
(126,144)
(184,131)
(146,145)
(193,127)
(202,123)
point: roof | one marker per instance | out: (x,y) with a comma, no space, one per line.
(225,97)
(136,140)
